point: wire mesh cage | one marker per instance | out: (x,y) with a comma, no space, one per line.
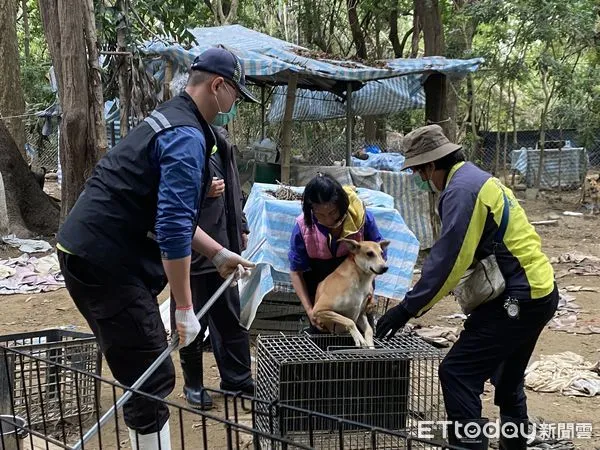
(234,424)
(392,386)
(41,389)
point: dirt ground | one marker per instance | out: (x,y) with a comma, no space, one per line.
(570,234)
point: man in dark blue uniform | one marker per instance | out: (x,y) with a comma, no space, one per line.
(223,218)
(133,228)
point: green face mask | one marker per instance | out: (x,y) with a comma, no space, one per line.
(223,119)
(423,185)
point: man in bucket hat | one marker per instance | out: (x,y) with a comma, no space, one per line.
(499,335)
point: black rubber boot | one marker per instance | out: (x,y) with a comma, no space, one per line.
(191,364)
(517,442)
(460,439)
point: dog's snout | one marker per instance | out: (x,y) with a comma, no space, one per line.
(384,269)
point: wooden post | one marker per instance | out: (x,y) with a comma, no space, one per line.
(435,100)
(559,166)
(262,112)
(349,116)
(167,80)
(113,138)
(286,130)
(584,174)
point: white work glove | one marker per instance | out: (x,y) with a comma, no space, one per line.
(227,262)
(188,326)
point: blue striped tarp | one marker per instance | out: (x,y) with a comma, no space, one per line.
(376,97)
(411,202)
(268,59)
(275,219)
(570,163)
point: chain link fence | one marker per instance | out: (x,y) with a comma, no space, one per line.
(314,143)
(41,143)
(568,156)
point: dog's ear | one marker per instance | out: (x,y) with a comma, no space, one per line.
(384,244)
(353,246)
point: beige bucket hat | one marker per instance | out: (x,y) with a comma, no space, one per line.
(426,144)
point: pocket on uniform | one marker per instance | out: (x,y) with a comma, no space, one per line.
(137,325)
(144,312)
(83,272)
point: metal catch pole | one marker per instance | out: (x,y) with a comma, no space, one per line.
(163,356)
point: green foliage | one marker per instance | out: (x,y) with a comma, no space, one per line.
(35,84)
(35,69)
(525,43)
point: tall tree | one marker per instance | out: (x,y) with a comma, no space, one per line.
(26,30)
(430,19)
(358,36)
(70,40)
(12,102)
(30,211)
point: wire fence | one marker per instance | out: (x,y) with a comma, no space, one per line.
(240,423)
(41,143)
(568,156)
(569,153)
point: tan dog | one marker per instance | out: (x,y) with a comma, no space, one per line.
(342,298)
(591,192)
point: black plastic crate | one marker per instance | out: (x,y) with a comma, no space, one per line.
(40,389)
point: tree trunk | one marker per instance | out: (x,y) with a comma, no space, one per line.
(358,37)
(543,123)
(408,34)
(30,211)
(12,102)
(63,25)
(381,131)
(498,135)
(430,19)
(123,70)
(370,129)
(452,108)
(513,114)
(26,31)
(393,33)
(95,78)
(460,42)
(225,12)
(416,35)
(505,145)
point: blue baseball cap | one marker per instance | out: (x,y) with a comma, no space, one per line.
(222,62)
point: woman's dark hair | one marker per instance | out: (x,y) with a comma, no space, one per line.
(447,162)
(323,189)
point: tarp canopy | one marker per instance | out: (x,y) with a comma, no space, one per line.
(387,96)
(271,61)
